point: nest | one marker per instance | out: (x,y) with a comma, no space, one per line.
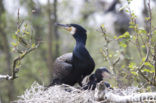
(68,94)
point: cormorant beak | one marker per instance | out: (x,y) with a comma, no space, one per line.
(106,75)
(65,26)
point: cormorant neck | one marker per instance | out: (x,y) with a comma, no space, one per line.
(80,38)
(112,7)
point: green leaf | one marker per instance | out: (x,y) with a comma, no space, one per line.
(18,30)
(25,25)
(110,55)
(147,18)
(143,46)
(142,31)
(154,32)
(115,37)
(123,44)
(14,36)
(131,26)
(134,37)
(14,44)
(131,23)
(126,34)
(122,8)
(18,65)
(149,64)
(103,26)
(127,11)
(33,45)
(143,59)
(146,70)
(132,66)
(26,32)
(134,73)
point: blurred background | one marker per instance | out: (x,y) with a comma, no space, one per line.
(41,15)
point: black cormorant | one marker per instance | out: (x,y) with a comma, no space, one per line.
(99,75)
(72,67)
(121,23)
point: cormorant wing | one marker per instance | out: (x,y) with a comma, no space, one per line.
(62,66)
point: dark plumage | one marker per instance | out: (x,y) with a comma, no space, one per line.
(112,7)
(71,68)
(95,78)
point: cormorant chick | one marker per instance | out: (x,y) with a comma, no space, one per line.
(95,78)
(72,67)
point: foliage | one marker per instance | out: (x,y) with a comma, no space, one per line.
(144,45)
(130,57)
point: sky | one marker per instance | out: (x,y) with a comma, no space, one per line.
(13,5)
(136,5)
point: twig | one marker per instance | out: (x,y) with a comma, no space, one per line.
(15,70)
(116,61)
(106,50)
(148,47)
(154,58)
(7,77)
(22,54)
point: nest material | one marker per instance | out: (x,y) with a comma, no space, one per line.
(68,94)
(55,94)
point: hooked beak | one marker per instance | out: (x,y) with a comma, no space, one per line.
(65,26)
(61,25)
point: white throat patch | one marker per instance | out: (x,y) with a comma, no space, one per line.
(73,30)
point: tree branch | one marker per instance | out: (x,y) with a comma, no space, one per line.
(16,70)
(106,52)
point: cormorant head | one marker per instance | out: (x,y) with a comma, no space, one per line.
(102,73)
(112,7)
(78,32)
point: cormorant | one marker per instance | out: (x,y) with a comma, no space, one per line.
(97,77)
(121,23)
(72,67)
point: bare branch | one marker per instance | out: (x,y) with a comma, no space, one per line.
(7,77)
(154,58)
(106,55)
(148,47)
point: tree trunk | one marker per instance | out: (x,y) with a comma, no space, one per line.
(57,53)
(6,51)
(8,65)
(50,57)
(145,14)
